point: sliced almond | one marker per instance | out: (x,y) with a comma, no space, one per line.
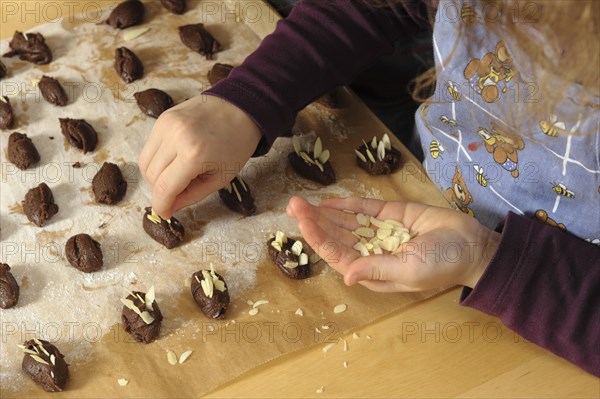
(228,188)
(324,157)
(345,346)
(122,382)
(154,218)
(328,347)
(253,311)
(296,144)
(39,360)
(386,142)
(370,155)
(147,317)
(320,390)
(394,222)
(280,237)
(208,287)
(250,302)
(383,233)
(363,220)
(53,359)
(321,168)
(365,232)
(261,302)
(134,33)
(374,142)
(382,225)
(307,158)
(239,178)
(318,149)
(390,244)
(381,151)
(290,264)
(172,357)
(219,285)
(149,298)
(355,335)
(360,156)
(184,356)
(276,245)
(377,249)
(360,247)
(369,337)
(404,237)
(299,312)
(237,192)
(297,248)
(340,308)
(345,365)
(303,259)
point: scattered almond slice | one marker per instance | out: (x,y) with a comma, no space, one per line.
(325,327)
(250,302)
(340,308)
(345,365)
(317,330)
(172,357)
(345,346)
(360,156)
(355,336)
(363,220)
(360,247)
(299,312)
(321,390)
(253,312)
(134,33)
(365,232)
(261,302)
(328,347)
(122,382)
(184,356)
(369,337)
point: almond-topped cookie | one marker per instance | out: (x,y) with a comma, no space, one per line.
(210,293)
(141,316)
(166,232)
(289,256)
(45,365)
(378,157)
(313,165)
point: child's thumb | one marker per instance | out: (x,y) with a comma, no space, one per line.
(375,268)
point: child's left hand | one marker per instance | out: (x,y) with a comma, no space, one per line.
(450,247)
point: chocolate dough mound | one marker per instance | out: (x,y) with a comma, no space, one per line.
(3,70)
(198,39)
(52,91)
(237,196)
(126,14)
(9,289)
(128,65)
(153,102)
(22,151)
(48,368)
(79,134)
(108,184)
(389,164)
(219,72)
(39,205)
(135,325)
(174,6)
(214,307)
(84,253)
(312,171)
(7,116)
(168,233)
(30,47)
(280,257)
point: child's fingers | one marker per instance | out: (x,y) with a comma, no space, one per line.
(196,191)
(171,182)
(386,286)
(149,151)
(378,268)
(299,208)
(161,160)
(355,204)
(336,254)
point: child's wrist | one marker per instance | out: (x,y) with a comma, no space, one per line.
(490,241)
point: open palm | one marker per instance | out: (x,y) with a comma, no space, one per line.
(449,247)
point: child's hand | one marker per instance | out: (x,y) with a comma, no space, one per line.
(195,148)
(450,247)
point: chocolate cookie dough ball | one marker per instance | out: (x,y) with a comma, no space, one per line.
(210,293)
(46,366)
(141,316)
(79,134)
(128,65)
(126,14)
(166,232)
(9,289)
(7,116)
(195,37)
(84,253)
(153,102)
(288,256)
(219,72)
(174,6)
(30,47)
(39,205)
(378,157)
(52,91)
(21,151)
(237,196)
(108,184)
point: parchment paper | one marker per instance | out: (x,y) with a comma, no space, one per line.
(80,312)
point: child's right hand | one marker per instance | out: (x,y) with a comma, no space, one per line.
(195,148)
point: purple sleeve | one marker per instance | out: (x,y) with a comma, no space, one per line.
(321,45)
(545,285)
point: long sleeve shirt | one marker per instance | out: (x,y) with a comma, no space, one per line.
(543,282)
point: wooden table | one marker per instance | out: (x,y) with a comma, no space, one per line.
(434,348)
